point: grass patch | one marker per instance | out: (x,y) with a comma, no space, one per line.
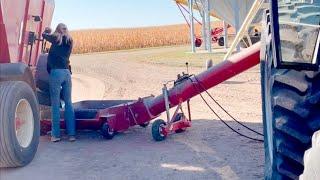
(174,56)
(180,57)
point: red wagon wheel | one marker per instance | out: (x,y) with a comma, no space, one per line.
(198,42)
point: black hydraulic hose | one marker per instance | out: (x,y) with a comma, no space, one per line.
(226,110)
(225,123)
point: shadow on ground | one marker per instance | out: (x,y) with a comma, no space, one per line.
(208,150)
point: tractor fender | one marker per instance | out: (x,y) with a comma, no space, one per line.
(17,72)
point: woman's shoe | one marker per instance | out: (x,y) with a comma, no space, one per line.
(72,138)
(55,139)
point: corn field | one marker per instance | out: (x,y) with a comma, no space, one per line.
(99,40)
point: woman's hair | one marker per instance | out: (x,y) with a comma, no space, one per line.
(60,32)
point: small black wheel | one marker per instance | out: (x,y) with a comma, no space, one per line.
(198,42)
(144,125)
(107,131)
(179,117)
(221,41)
(157,130)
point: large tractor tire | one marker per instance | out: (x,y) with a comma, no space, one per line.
(19,124)
(291,114)
(42,81)
(41,75)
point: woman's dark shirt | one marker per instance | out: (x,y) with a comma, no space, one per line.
(59,55)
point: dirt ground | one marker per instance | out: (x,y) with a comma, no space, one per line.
(208,150)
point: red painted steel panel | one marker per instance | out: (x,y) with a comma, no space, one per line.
(11,12)
(35,7)
(22,37)
(4,49)
(16,22)
(39,32)
(94,124)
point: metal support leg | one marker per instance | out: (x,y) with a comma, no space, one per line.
(189,110)
(225,34)
(166,101)
(208,25)
(192,38)
(237,20)
(204,27)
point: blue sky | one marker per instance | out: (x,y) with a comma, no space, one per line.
(88,14)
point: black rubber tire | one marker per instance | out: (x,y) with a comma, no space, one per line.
(107,132)
(41,75)
(144,125)
(156,134)
(291,114)
(12,154)
(221,41)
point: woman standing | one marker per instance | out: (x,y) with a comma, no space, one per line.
(58,67)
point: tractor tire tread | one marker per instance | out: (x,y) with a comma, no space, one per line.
(292,126)
(8,156)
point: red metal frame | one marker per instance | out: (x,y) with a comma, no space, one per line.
(4,53)
(25,20)
(94,124)
(174,125)
(13,14)
(40,29)
(216,33)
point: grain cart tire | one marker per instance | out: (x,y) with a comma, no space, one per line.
(42,75)
(156,130)
(19,124)
(291,114)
